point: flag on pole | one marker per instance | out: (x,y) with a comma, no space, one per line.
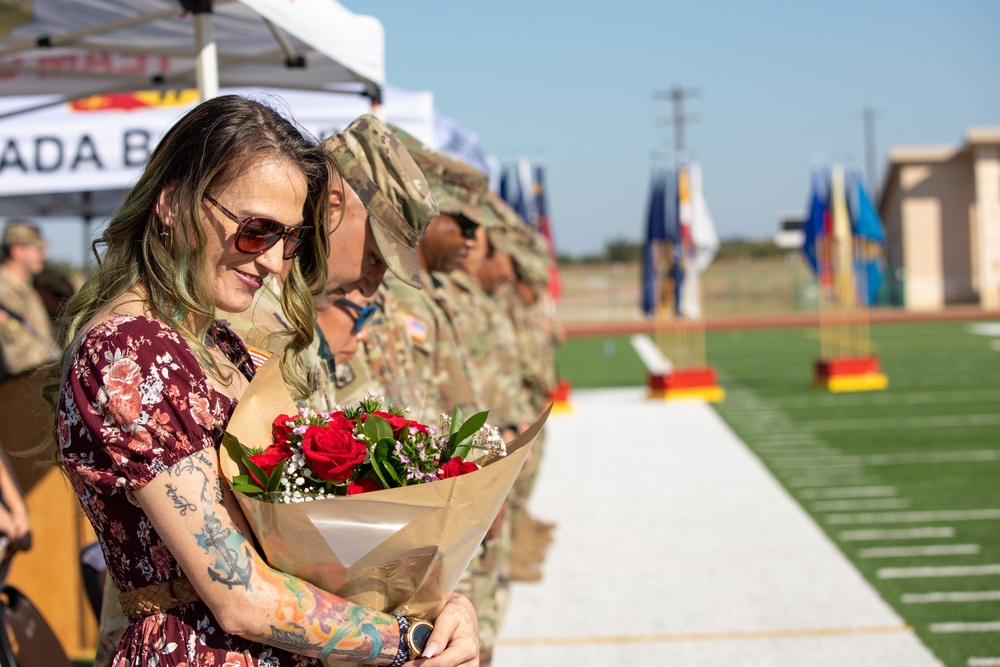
(656,234)
(525,191)
(506,191)
(545,229)
(701,241)
(843,239)
(869,236)
(813,227)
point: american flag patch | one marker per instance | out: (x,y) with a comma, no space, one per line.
(257,357)
(416,327)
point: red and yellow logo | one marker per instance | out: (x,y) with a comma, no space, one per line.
(142,99)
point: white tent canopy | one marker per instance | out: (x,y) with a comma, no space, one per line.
(85,47)
(49,157)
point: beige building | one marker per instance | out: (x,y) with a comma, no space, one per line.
(941,210)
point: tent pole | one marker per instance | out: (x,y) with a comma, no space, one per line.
(207,71)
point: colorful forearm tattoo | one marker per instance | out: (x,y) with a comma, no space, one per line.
(300,617)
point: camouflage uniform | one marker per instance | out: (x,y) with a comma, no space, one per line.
(389,360)
(26,337)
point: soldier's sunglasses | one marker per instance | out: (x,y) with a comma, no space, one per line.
(362,314)
(256,235)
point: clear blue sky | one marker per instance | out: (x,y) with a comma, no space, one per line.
(782,85)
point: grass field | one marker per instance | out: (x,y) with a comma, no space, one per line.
(904,481)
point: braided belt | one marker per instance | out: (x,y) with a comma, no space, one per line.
(159,597)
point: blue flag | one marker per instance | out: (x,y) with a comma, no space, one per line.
(869,236)
(813,227)
(656,233)
(506,186)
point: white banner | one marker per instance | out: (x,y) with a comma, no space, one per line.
(72,148)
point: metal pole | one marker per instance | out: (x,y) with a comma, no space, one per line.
(869,121)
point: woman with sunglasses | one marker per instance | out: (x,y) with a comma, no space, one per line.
(232,194)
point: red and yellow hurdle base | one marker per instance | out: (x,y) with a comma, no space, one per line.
(560,398)
(686,384)
(850,374)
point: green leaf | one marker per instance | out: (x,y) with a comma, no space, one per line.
(377,428)
(379,450)
(275,480)
(463,439)
(248,489)
(258,472)
(457,419)
(233,446)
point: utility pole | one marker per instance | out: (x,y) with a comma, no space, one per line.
(868,115)
(679,119)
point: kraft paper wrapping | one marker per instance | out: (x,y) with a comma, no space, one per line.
(397,550)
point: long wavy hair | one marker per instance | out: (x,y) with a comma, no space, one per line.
(208,149)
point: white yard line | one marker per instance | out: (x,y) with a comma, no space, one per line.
(841,461)
(850,492)
(956,596)
(984,662)
(908,423)
(920,551)
(835,480)
(931,572)
(914,517)
(852,504)
(896,534)
(989,626)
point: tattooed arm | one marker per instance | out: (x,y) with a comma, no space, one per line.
(204,530)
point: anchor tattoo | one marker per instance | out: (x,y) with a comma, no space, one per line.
(230,568)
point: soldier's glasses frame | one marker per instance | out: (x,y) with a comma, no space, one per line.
(256,235)
(362,314)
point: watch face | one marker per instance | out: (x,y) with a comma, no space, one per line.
(419,633)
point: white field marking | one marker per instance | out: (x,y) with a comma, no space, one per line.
(906,458)
(907,398)
(957,596)
(850,492)
(896,534)
(775,438)
(929,572)
(924,550)
(914,517)
(984,662)
(858,504)
(826,482)
(985,329)
(929,421)
(651,356)
(989,626)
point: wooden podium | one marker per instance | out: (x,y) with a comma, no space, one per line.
(49,574)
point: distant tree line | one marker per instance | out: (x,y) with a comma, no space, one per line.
(625,251)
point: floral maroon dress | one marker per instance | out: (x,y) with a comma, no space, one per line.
(133,402)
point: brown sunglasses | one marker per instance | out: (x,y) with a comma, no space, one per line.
(256,235)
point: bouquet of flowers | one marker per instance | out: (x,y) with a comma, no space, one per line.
(360,448)
(365,503)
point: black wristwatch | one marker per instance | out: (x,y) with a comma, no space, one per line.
(413,636)
(417,635)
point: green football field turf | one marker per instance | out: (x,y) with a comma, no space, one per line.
(904,481)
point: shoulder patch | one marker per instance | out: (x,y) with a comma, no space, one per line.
(415,326)
(258,356)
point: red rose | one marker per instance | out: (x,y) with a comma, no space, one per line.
(269,460)
(456,467)
(398,423)
(332,453)
(338,421)
(280,430)
(362,485)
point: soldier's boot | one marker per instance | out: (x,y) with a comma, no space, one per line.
(485,657)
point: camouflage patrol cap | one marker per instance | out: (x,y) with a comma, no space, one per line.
(21,232)
(379,168)
(458,187)
(516,237)
(458,201)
